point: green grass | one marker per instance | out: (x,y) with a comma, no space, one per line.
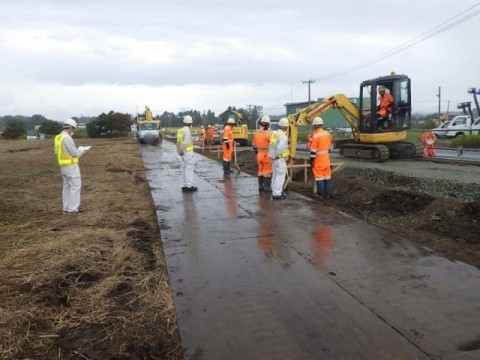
(466,141)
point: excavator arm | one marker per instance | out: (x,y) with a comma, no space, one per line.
(305,116)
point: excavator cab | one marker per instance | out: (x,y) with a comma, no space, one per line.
(399,116)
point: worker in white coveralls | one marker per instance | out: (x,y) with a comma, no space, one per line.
(185,150)
(278,151)
(67,157)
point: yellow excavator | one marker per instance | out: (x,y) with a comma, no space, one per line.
(373,137)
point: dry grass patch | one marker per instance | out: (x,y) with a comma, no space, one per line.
(92,286)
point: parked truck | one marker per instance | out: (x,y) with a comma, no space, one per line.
(463,124)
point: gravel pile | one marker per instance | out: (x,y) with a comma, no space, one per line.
(437,188)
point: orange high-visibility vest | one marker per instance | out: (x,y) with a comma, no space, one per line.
(385,105)
(321,142)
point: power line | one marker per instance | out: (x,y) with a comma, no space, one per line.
(425,35)
(442,27)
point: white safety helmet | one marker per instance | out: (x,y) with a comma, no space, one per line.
(317,121)
(231,121)
(283,122)
(187,119)
(70,123)
(381,88)
(265,119)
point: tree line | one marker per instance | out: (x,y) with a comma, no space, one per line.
(112,124)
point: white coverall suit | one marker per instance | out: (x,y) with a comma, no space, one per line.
(72,181)
(185,150)
(278,151)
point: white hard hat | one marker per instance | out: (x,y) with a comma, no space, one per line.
(187,119)
(317,121)
(231,121)
(201,126)
(265,119)
(70,123)
(381,88)
(283,122)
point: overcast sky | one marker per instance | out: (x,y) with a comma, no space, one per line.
(62,58)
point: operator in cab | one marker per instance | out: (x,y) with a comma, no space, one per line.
(384,108)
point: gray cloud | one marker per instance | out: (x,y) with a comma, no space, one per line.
(164,45)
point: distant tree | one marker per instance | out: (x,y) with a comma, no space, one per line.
(4,120)
(35,120)
(210,117)
(170,120)
(109,125)
(14,129)
(50,127)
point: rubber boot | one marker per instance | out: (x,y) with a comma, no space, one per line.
(226,167)
(260,183)
(328,188)
(267,184)
(320,188)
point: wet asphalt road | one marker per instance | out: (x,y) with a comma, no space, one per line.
(255,278)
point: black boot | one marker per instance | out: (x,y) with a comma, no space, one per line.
(261,179)
(267,184)
(226,167)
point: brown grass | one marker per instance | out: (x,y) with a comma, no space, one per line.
(92,286)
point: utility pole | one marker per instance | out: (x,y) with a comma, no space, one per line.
(250,117)
(475,92)
(309,82)
(439,101)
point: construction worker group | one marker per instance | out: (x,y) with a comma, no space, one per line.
(272,152)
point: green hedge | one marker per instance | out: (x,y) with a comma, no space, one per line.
(466,141)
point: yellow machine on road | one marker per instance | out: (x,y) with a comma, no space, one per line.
(148,128)
(373,138)
(240,129)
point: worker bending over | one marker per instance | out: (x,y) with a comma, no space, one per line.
(227,145)
(320,158)
(260,143)
(278,151)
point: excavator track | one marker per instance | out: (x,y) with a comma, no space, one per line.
(379,152)
(405,150)
(375,152)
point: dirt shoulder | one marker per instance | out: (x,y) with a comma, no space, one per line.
(92,286)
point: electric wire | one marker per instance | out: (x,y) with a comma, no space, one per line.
(436,30)
(412,42)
